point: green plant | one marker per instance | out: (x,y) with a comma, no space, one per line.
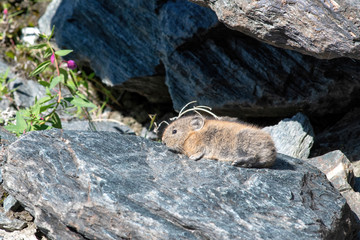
(4,85)
(6,21)
(152,121)
(44,113)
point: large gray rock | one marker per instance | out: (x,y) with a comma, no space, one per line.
(45,20)
(26,90)
(104,185)
(134,43)
(99,125)
(11,225)
(108,43)
(324,29)
(340,172)
(293,136)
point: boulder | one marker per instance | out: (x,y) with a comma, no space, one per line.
(340,172)
(139,45)
(104,185)
(109,43)
(11,225)
(99,124)
(26,90)
(356,166)
(29,233)
(6,138)
(293,136)
(323,29)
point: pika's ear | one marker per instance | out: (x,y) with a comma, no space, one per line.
(197,123)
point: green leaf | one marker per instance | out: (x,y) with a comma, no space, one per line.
(62,53)
(52,32)
(20,121)
(14,129)
(56,80)
(42,127)
(47,53)
(79,102)
(15,13)
(44,83)
(44,100)
(46,107)
(91,75)
(40,68)
(64,73)
(43,36)
(20,126)
(38,46)
(10,54)
(56,121)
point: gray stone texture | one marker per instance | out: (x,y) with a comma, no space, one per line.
(10,203)
(340,172)
(293,136)
(324,29)
(100,125)
(140,44)
(26,90)
(104,185)
(11,225)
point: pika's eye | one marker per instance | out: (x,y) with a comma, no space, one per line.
(174,131)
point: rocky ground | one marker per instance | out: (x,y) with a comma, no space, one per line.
(111,184)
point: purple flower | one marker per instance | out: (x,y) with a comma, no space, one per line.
(52,59)
(71,64)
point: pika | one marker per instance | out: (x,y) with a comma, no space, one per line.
(242,144)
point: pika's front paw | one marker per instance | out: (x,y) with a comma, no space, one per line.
(197,156)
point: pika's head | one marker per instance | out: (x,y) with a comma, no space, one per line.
(178,131)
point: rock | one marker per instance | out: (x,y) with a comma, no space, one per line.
(104,185)
(27,233)
(323,29)
(293,136)
(343,135)
(6,138)
(155,21)
(10,203)
(11,224)
(26,91)
(5,71)
(30,35)
(356,166)
(100,125)
(131,43)
(339,171)
(149,134)
(44,23)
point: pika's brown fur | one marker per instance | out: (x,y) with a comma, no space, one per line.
(242,144)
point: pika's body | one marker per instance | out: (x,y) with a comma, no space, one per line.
(242,144)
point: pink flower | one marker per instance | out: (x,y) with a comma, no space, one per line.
(5,11)
(52,59)
(71,64)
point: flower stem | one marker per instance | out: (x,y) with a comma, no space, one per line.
(57,70)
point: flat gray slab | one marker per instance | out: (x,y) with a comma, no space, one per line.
(104,185)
